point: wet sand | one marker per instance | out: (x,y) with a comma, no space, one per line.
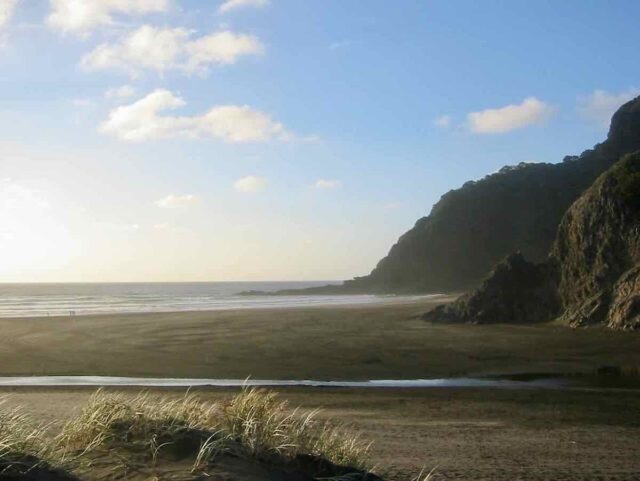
(332,343)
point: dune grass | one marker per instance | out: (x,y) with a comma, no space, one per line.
(261,422)
(23,445)
(254,423)
(142,424)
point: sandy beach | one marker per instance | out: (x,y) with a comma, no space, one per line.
(468,433)
(350,343)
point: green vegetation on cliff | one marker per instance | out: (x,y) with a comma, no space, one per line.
(592,275)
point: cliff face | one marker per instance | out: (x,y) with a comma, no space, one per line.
(597,250)
(517,209)
(592,275)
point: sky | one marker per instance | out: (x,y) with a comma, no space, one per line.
(213,140)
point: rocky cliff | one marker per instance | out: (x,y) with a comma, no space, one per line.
(592,275)
(516,291)
(597,251)
(517,209)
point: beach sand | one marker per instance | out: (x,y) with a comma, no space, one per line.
(351,343)
(469,434)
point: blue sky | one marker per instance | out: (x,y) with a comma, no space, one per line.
(278,139)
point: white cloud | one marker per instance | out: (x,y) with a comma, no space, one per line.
(121,92)
(600,106)
(250,184)
(82,16)
(229,5)
(511,117)
(142,120)
(220,48)
(328,184)
(145,48)
(443,121)
(163,49)
(7,7)
(237,124)
(173,201)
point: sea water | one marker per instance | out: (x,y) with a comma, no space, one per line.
(62,299)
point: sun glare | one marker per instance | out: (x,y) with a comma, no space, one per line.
(31,232)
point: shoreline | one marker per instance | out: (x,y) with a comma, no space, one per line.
(386,300)
(149,382)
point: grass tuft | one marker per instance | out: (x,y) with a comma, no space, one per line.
(263,424)
(253,423)
(22,445)
(143,424)
(127,433)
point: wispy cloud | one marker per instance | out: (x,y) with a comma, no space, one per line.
(600,106)
(20,198)
(173,201)
(250,184)
(230,5)
(82,16)
(122,92)
(340,45)
(164,49)
(511,117)
(327,184)
(142,120)
(7,8)
(443,121)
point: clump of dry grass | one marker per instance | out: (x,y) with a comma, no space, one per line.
(423,477)
(143,424)
(255,422)
(22,446)
(263,423)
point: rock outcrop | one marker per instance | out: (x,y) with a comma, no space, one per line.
(597,250)
(517,290)
(592,275)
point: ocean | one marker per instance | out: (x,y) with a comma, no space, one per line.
(29,300)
